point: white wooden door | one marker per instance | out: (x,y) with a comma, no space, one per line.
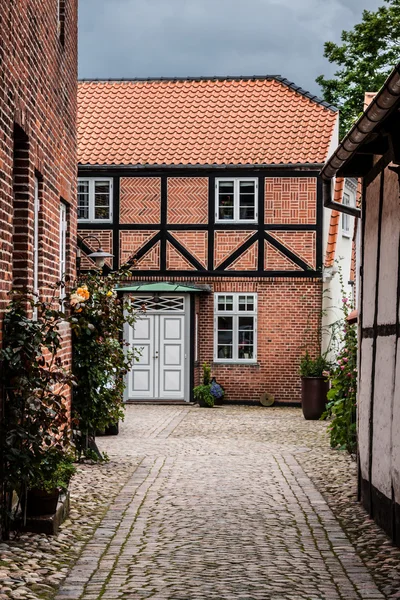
(141,378)
(172,357)
(160,372)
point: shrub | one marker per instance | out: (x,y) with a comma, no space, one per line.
(100,357)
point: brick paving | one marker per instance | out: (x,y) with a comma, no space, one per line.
(220,507)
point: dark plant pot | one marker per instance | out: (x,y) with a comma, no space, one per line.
(203,404)
(313,397)
(110,430)
(40,502)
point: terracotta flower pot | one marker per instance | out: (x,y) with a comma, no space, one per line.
(313,396)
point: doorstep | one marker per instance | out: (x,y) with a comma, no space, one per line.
(49,524)
(161,402)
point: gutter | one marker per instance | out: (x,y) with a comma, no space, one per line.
(154,167)
(377,111)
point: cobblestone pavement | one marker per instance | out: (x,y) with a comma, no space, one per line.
(227,504)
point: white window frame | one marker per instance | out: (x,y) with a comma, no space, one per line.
(236,199)
(235,313)
(63,247)
(35,253)
(346,219)
(92,181)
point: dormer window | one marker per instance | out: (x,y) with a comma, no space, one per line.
(236,200)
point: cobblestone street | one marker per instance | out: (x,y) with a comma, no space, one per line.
(219,506)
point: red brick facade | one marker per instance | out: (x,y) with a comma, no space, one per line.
(105,238)
(140,200)
(38,75)
(290,200)
(287,320)
(187,200)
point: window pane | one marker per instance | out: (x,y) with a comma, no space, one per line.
(246,212)
(83,212)
(102,200)
(102,187)
(225,214)
(225,352)
(246,303)
(246,323)
(83,187)
(225,303)
(225,324)
(247,200)
(226,200)
(101,213)
(226,187)
(83,199)
(246,352)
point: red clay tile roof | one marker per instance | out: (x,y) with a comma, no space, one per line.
(334,224)
(201,121)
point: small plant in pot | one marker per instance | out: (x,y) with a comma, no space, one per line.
(209,391)
(314,385)
(51,476)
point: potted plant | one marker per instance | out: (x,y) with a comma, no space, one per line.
(314,385)
(217,391)
(209,391)
(51,476)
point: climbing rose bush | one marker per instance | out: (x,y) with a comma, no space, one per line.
(100,358)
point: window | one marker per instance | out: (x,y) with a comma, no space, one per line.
(61,20)
(346,218)
(235,335)
(63,246)
(36,209)
(236,200)
(95,200)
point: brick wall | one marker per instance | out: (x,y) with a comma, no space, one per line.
(140,200)
(132,241)
(288,321)
(290,200)
(187,200)
(38,86)
(105,237)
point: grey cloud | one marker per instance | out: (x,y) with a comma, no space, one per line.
(151,38)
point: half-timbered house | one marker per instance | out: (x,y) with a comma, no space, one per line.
(371,151)
(210,188)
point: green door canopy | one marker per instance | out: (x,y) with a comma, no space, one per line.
(163,287)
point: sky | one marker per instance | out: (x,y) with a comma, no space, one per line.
(154,38)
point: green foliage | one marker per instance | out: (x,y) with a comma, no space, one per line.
(342,397)
(54,472)
(202,395)
(365,58)
(313,367)
(206,374)
(100,359)
(35,420)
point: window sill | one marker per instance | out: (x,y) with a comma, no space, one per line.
(240,222)
(243,363)
(83,221)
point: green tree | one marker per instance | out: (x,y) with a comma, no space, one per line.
(365,58)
